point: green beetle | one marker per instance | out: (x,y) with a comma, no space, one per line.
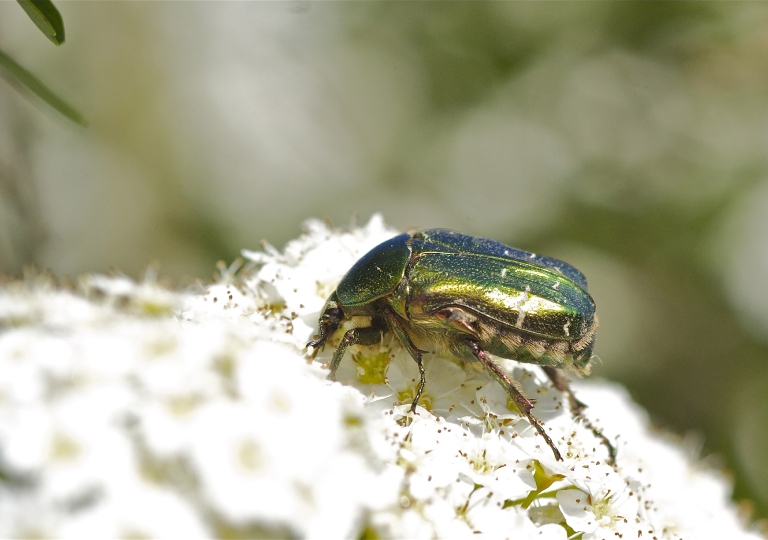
(467,296)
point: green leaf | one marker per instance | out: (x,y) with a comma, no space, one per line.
(18,76)
(543,480)
(47,18)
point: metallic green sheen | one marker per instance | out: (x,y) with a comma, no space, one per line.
(450,293)
(376,274)
(529,297)
(448,241)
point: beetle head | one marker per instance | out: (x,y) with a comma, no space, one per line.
(332,312)
(330,320)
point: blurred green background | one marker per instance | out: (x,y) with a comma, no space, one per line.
(630,139)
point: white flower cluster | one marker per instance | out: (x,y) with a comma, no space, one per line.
(128,410)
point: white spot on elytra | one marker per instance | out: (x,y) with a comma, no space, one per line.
(520,318)
(523,303)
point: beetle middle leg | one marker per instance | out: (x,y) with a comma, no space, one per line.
(414,351)
(523,403)
(560,382)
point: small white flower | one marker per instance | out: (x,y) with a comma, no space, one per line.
(137,510)
(129,410)
(602,515)
(499,467)
(444,382)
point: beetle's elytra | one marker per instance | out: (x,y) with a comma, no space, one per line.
(443,291)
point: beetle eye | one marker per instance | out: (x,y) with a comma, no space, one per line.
(335,314)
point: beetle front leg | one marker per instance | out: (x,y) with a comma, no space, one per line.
(330,321)
(523,403)
(356,336)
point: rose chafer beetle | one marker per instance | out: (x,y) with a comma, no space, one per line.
(468,297)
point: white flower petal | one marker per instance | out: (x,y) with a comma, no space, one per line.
(132,410)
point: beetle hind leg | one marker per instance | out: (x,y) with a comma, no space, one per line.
(523,403)
(560,382)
